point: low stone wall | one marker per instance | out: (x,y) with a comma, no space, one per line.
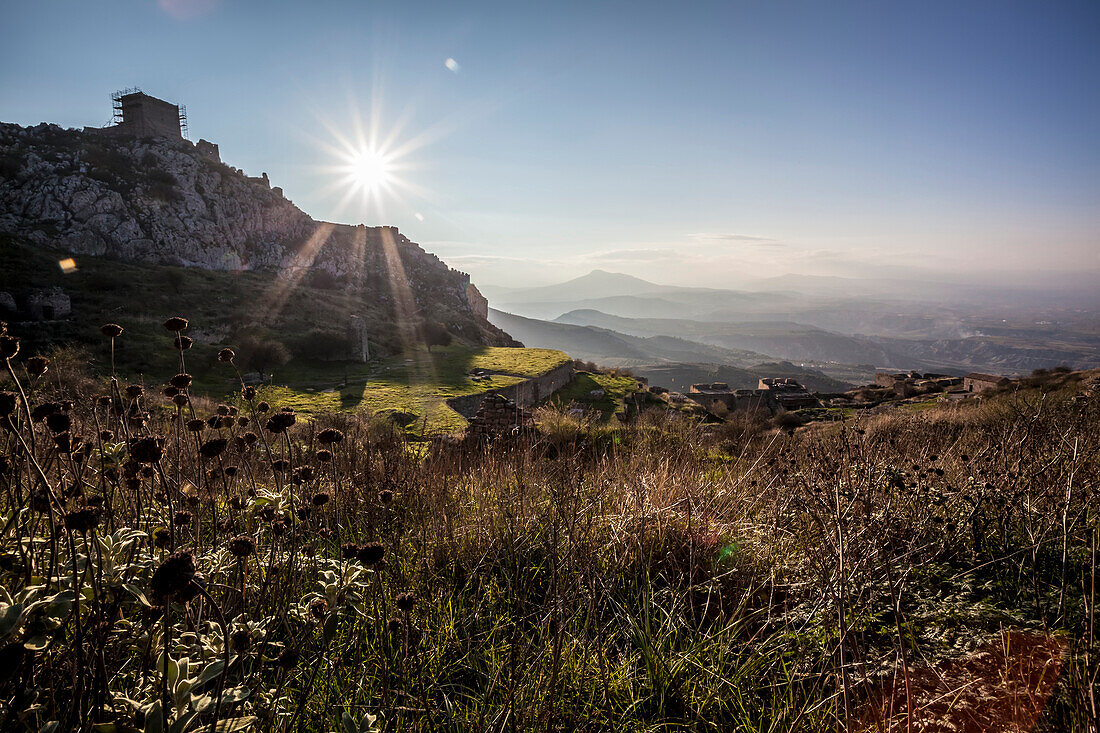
(524,394)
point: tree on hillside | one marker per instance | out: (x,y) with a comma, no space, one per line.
(435,334)
(263,354)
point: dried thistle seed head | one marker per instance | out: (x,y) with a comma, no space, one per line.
(250,438)
(147,449)
(236,503)
(37,366)
(242,546)
(196,425)
(249,393)
(318,608)
(172,580)
(103,400)
(9,347)
(58,422)
(181,400)
(320,498)
(40,501)
(349,551)
(328,436)
(65,443)
(288,658)
(133,391)
(241,640)
(213,448)
(395,625)
(180,381)
(8,402)
(171,391)
(385,496)
(222,410)
(303,473)
(41,412)
(230,471)
(182,343)
(324,455)
(371,553)
(175,324)
(243,421)
(182,518)
(281,464)
(107,436)
(226,355)
(281,421)
(111,330)
(262,407)
(405,601)
(84,519)
(278,528)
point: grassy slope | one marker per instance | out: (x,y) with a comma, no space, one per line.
(615,388)
(220,305)
(418,384)
(141,297)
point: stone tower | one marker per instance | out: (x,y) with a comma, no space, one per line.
(139,115)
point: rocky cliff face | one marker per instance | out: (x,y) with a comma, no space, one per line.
(161,201)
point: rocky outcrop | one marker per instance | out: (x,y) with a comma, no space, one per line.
(162,201)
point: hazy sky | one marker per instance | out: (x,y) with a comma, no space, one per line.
(688,143)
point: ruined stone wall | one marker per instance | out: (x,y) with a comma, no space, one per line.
(497,416)
(524,393)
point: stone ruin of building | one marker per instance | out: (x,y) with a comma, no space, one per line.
(497,417)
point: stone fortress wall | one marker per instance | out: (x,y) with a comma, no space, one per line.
(524,394)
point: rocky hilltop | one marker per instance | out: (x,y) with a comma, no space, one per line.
(162,201)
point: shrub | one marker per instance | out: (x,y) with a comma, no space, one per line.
(435,334)
(263,354)
(324,280)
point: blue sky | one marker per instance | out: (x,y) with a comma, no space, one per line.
(689,143)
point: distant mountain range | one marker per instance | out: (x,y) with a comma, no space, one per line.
(890,324)
(669,361)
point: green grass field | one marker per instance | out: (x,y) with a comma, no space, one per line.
(418,384)
(615,388)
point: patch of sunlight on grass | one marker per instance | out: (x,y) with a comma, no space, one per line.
(399,384)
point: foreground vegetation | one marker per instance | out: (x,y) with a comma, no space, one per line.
(169,563)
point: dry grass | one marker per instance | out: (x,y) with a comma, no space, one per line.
(658,576)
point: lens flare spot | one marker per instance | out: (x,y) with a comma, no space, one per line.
(67,265)
(452,65)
